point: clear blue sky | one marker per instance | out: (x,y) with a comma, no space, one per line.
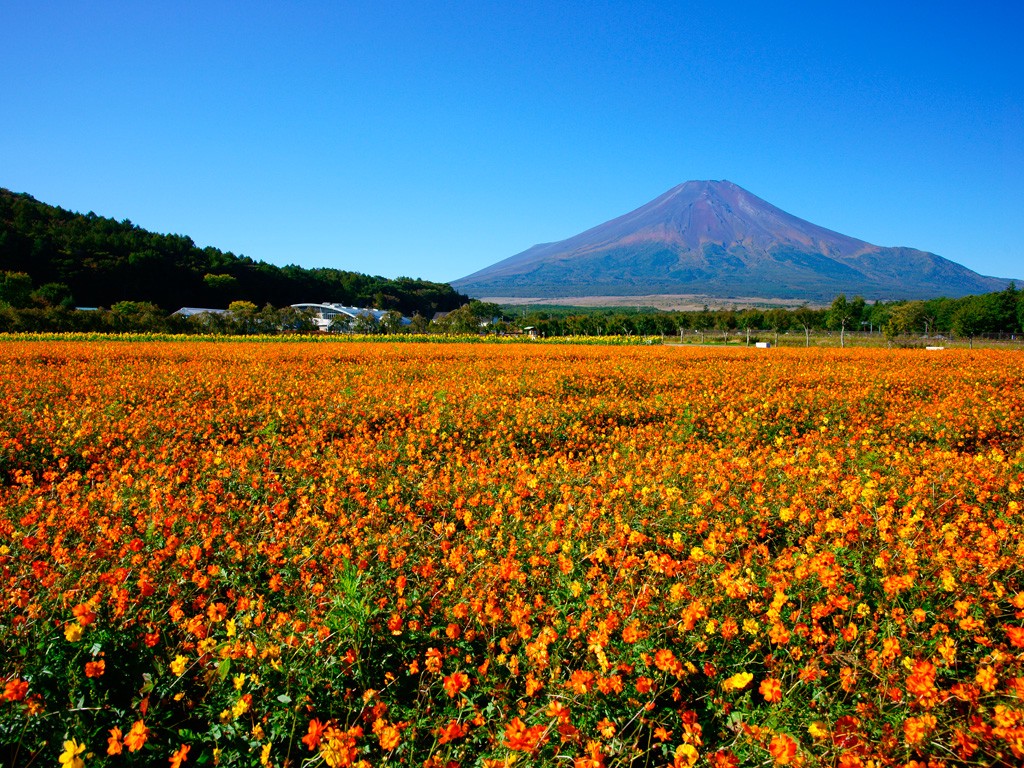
(432,139)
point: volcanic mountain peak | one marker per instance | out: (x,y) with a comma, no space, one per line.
(697,213)
(717,239)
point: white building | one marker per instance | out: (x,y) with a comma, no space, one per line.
(326,313)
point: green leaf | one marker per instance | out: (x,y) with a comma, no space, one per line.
(223,669)
(284,698)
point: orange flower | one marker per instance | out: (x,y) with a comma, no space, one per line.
(921,683)
(434,660)
(665,660)
(453,730)
(339,748)
(782,749)
(633,632)
(771,689)
(522,739)
(137,736)
(114,745)
(724,759)
(15,690)
(84,613)
(313,735)
(455,684)
(986,679)
(388,735)
(179,756)
(1016,636)
(558,710)
(847,678)
(95,668)
(916,728)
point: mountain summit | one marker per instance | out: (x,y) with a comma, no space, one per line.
(713,238)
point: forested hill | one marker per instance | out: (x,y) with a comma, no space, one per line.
(102,261)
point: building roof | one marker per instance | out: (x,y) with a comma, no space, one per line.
(192,311)
(331,310)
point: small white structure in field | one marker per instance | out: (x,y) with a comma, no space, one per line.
(934,349)
(763,344)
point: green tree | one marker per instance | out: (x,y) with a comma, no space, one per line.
(777,319)
(907,317)
(702,323)
(243,316)
(366,323)
(294,320)
(53,295)
(1006,303)
(15,289)
(804,317)
(392,322)
(419,324)
(137,316)
(878,315)
(725,321)
(968,321)
(843,315)
(750,319)
(220,283)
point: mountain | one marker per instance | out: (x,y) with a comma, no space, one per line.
(100,261)
(715,239)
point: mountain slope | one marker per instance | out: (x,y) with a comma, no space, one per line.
(103,261)
(716,239)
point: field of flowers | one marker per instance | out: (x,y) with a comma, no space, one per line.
(473,555)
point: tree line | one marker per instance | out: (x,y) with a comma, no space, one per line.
(90,260)
(1001,312)
(24,308)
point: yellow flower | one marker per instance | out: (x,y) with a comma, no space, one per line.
(686,754)
(178,665)
(241,707)
(73,632)
(737,682)
(69,758)
(818,729)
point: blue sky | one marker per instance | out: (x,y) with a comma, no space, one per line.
(432,139)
